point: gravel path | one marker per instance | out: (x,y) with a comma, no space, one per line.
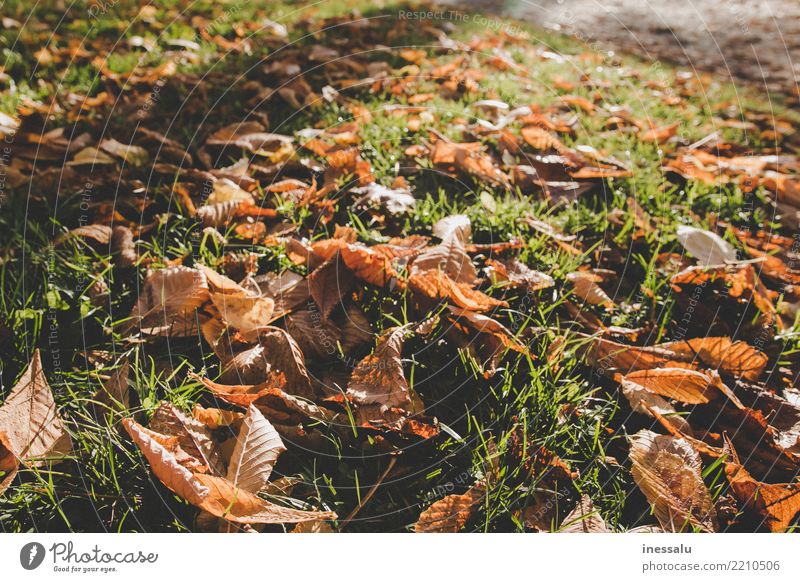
(753,41)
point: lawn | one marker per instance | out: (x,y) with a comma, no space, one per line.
(471,274)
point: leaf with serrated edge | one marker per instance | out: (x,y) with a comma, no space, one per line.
(257,449)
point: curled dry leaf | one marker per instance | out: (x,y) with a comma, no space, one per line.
(31,430)
(668,471)
(455,225)
(518,274)
(434,286)
(450,514)
(309,527)
(329,283)
(378,379)
(323,340)
(740,283)
(651,404)
(586,288)
(225,190)
(288,290)
(468,158)
(216,495)
(136,156)
(394,200)
(99,233)
(282,409)
(450,257)
(366,263)
(707,247)
(192,435)
(168,301)
(214,418)
(775,504)
(122,244)
(379,391)
(485,337)
(239,308)
(276,352)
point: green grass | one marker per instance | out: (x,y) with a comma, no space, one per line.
(107,486)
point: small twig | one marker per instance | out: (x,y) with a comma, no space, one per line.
(369,494)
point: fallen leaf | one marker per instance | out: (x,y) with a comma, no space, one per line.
(586,288)
(379,378)
(168,301)
(707,247)
(450,514)
(450,257)
(584,519)
(777,504)
(213,494)
(394,200)
(455,225)
(668,471)
(192,436)
(435,286)
(257,449)
(680,384)
(518,275)
(734,358)
(31,430)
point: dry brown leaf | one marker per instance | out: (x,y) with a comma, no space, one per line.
(213,494)
(328,284)
(435,286)
(394,200)
(586,288)
(215,418)
(777,504)
(668,471)
(257,449)
(310,527)
(734,358)
(660,135)
(584,519)
(449,257)
(450,514)
(31,430)
(367,264)
(276,351)
(484,337)
(457,225)
(193,437)
(168,301)
(280,408)
(100,233)
(165,465)
(122,244)
(518,274)
(680,384)
(378,379)
(651,404)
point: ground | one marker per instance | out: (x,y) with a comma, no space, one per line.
(750,41)
(573,205)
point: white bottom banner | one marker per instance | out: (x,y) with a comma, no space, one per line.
(356,557)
